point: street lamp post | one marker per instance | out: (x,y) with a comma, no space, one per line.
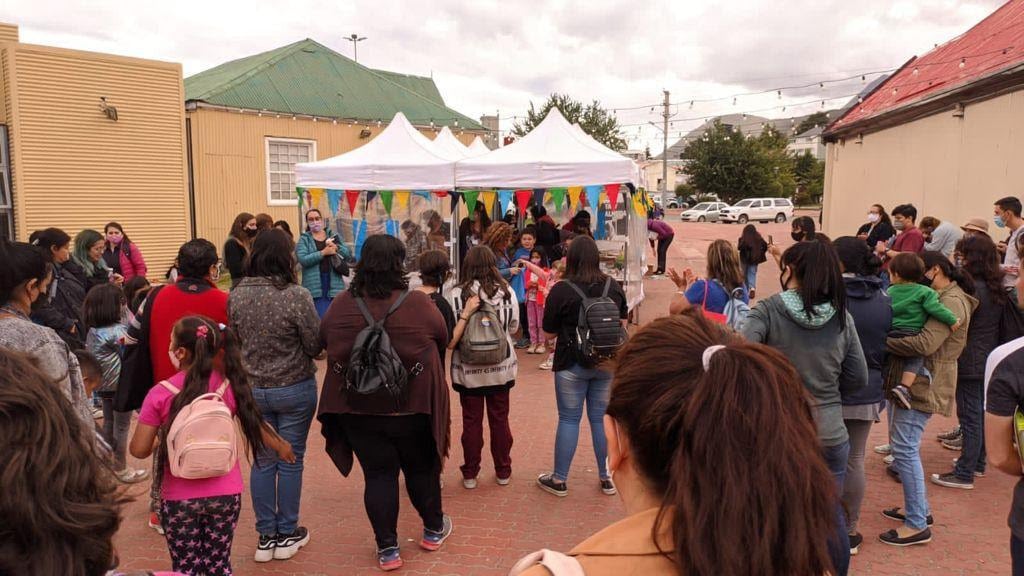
(355,39)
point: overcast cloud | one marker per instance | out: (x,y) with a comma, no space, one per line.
(488,56)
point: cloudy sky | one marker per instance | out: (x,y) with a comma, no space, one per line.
(497,56)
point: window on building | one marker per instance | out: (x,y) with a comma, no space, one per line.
(282,156)
(6,197)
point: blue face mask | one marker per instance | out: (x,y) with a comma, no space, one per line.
(999,222)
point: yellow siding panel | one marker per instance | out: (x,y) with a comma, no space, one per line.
(78,169)
(8,32)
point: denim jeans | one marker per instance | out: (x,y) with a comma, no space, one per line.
(836,458)
(276,485)
(970,410)
(115,431)
(853,484)
(750,272)
(907,429)
(572,388)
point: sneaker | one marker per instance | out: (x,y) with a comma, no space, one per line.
(288,545)
(532,349)
(949,480)
(895,514)
(432,541)
(522,344)
(469,483)
(131,476)
(902,395)
(504,481)
(956,444)
(855,541)
(548,484)
(541,349)
(265,548)
(547,364)
(883,449)
(608,487)
(389,559)
(892,538)
(888,459)
(97,412)
(953,434)
(977,474)
(154,523)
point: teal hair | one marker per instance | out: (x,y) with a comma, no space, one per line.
(80,252)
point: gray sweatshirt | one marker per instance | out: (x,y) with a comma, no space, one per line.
(827,357)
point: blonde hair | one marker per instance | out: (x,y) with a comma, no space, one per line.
(724,264)
(499,233)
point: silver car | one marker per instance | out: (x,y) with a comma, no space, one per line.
(703,212)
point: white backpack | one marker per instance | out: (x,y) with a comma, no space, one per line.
(202,442)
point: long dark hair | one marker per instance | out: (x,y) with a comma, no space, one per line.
(583,262)
(883,215)
(125,245)
(381,268)
(49,239)
(22,263)
(691,431)
(805,224)
(481,266)
(961,276)
(238,229)
(815,265)
(60,503)
(210,348)
(751,237)
(102,306)
(135,289)
(273,257)
(856,257)
(981,260)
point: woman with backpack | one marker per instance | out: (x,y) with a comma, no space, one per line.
(579,379)
(201,492)
(484,362)
(714,294)
(407,431)
(753,252)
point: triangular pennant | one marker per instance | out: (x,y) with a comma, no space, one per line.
(638,204)
(602,217)
(440,193)
(523,198)
(391,227)
(370,195)
(316,195)
(538,196)
(558,197)
(333,201)
(487,197)
(574,196)
(505,200)
(455,201)
(612,190)
(301,193)
(403,198)
(470,197)
(425,194)
(359,236)
(593,197)
(386,196)
(352,196)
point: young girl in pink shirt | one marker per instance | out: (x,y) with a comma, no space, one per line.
(199,515)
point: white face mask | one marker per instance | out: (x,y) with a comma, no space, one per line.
(872,217)
(174,360)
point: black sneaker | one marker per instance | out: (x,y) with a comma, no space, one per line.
(855,541)
(950,480)
(608,487)
(954,444)
(265,548)
(892,538)
(288,545)
(548,484)
(950,435)
(895,514)
(902,395)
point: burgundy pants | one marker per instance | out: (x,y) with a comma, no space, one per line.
(473,433)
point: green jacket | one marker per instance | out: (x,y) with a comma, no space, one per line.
(309,260)
(913,304)
(941,347)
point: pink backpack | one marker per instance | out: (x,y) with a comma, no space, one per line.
(201,442)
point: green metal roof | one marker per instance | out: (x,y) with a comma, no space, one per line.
(310,79)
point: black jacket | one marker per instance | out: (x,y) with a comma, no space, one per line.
(871,309)
(756,254)
(882,233)
(982,335)
(62,309)
(234,260)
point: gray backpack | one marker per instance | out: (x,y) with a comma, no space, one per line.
(484,341)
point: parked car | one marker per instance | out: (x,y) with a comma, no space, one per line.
(703,212)
(673,201)
(760,209)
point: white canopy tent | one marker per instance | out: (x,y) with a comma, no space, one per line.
(478,148)
(447,143)
(399,158)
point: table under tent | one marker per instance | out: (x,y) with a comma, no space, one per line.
(418,190)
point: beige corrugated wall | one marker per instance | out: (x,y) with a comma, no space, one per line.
(230,167)
(74,168)
(951,168)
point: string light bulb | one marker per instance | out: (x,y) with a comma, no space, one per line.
(915,71)
(963,62)
(733,100)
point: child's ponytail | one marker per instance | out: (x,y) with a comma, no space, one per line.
(248,413)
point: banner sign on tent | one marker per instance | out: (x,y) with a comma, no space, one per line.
(593,197)
(333,201)
(523,199)
(558,196)
(403,198)
(470,197)
(386,197)
(505,200)
(352,196)
(612,190)
(574,196)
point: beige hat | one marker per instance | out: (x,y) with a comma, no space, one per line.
(976,225)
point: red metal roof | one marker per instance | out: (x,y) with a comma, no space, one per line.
(994,44)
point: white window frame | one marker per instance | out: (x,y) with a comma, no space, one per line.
(267,141)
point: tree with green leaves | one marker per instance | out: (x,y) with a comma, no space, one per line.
(816,119)
(595,120)
(809,173)
(725,162)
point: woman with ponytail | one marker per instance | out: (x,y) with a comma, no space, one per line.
(199,515)
(435,270)
(810,324)
(691,405)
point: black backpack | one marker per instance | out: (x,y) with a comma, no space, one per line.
(600,333)
(1011,321)
(374,366)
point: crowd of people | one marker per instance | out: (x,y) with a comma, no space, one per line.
(899,319)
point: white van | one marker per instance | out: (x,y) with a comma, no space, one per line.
(760,209)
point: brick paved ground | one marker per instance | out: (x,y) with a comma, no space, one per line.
(495,525)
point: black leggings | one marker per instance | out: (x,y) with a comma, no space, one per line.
(384,445)
(663,253)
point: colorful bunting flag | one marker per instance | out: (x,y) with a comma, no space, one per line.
(422,194)
(574,196)
(301,193)
(386,197)
(470,197)
(602,219)
(523,198)
(316,195)
(352,196)
(639,208)
(455,201)
(440,193)
(403,198)
(359,236)
(487,197)
(505,200)
(538,196)
(558,197)
(391,227)
(612,190)
(370,195)
(593,197)
(333,201)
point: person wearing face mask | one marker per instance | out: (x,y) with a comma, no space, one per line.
(1008,215)
(236,248)
(61,307)
(121,254)
(315,249)
(23,288)
(803,231)
(908,239)
(878,228)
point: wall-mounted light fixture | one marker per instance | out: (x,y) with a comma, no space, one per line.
(108,110)
(958,112)
(364,133)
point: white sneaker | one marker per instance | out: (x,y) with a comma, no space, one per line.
(883,449)
(288,545)
(547,364)
(541,349)
(888,459)
(503,481)
(469,483)
(130,476)
(265,548)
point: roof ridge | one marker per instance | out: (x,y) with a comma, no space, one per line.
(285,51)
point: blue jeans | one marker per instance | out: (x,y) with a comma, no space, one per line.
(572,387)
(970,410)
(907,429)
(836,458)
(276,485)
(751,275)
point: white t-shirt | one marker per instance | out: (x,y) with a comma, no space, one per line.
(1012,257)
